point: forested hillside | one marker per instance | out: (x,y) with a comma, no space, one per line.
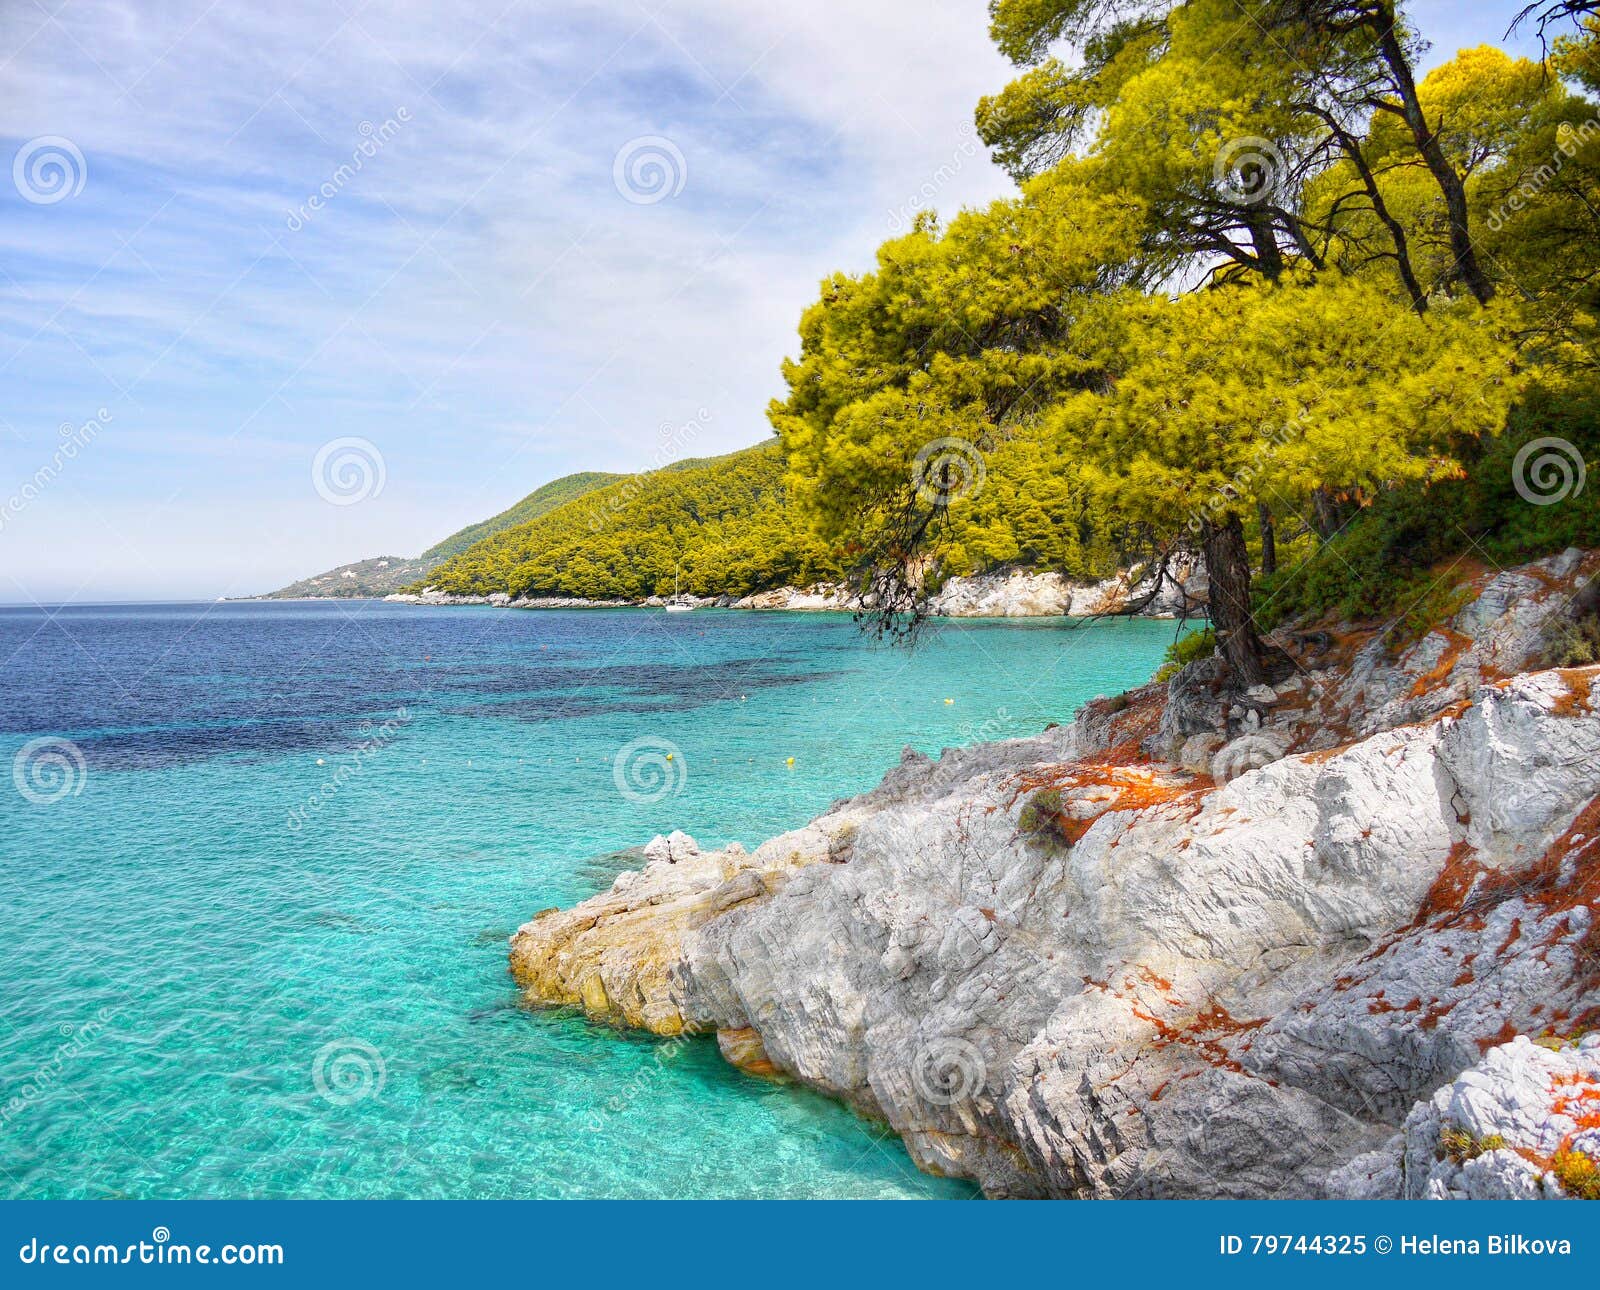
(558,492)
(386,574)
(1266,296)
(727,521)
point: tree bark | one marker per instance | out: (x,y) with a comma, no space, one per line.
(1269,539)
(1444,173)
(1264,237)
(1325,516)
(1228,574)
(1351,148)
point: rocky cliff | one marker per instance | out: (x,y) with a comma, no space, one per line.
(1286,942)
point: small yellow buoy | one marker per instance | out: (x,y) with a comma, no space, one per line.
(669,756)
(949,700)
(790,762)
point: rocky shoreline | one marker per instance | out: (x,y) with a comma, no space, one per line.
(1012,593)
(1338,936)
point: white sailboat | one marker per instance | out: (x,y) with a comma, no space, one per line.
(678,605)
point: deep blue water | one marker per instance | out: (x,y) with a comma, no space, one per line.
(256,903)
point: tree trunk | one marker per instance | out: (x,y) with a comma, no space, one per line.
(1444,173)
(1269,539)
(1325,517)
(1228,573)
(1264,237)
(1380,208)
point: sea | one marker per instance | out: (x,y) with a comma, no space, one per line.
(261,860)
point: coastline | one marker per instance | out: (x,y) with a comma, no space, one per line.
(1010,593)
(1202,942)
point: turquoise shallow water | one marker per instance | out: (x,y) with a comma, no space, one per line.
(255,915)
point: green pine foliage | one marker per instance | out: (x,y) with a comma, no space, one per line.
(727,522)
(1411,545)
(558,492)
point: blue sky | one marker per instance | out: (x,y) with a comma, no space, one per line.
(491,297)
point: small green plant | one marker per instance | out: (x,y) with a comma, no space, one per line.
(1043,819)
(1459,1145)
(1436,605)
(1574,642)
(1185,650)
(1579,1176)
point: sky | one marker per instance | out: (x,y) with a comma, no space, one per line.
(288,285)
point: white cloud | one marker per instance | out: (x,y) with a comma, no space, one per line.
(478,300)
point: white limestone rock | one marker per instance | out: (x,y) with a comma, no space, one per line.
(1062,972)
(1490,1133)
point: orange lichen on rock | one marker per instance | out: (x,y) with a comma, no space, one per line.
(1577,1095)
(1580,685)
(1566,877)
(1435,1013)
(1504,1035)
(1203,1034)
(1081,792)
(1455,645)
(1452,885)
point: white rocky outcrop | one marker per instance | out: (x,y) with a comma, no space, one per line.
(819,596)
(1071,965)
(501,600)
(1508,1128)
(1019,593)
(1013,593)
(1023,593)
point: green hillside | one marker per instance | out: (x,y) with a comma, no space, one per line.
(362,580)
(728,520)
(384,575)
(558,492)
